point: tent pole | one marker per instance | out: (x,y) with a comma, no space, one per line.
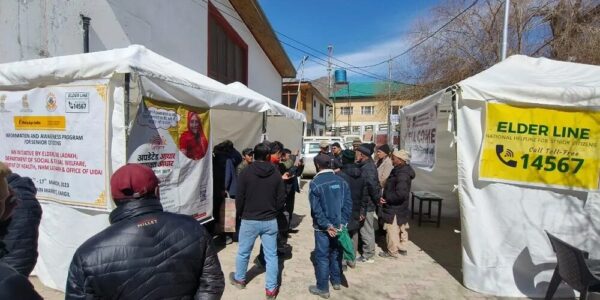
(127,102)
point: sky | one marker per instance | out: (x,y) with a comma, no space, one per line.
(362,32)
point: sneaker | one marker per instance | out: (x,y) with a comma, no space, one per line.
(387,255)
(403,252)
(240,284)
(228,240)
(363,259)
(313,289)
(351,264)
(344,268)
(336,287)
(272,295)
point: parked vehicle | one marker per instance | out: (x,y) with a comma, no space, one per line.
(310,149)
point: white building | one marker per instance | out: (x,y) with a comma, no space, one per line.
(226,40)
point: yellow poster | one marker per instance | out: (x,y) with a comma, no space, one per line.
(541,146)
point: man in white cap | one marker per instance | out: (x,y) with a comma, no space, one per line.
(394,204)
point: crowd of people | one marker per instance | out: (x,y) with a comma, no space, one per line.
(146,252)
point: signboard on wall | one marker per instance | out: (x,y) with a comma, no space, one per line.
(57,136)
(419,138)
(174,140)
(541,146)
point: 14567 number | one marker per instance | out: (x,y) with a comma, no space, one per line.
(551,163)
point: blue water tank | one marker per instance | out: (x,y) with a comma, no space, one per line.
(340,76)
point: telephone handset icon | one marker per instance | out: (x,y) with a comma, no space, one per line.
(509,162)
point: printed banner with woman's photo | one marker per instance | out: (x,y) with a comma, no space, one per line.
(174,140)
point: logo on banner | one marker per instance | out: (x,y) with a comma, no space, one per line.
(541,146)
(51,102)
(25,104)
(77,102)
(158,142)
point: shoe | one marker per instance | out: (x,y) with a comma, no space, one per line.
(336,287)
(344,268)
(363,259)
(403,252)
(228,240)
(387,255)
(313,289)
(351,264)
(259,263)
(240,284)
(293,231)
(272,295)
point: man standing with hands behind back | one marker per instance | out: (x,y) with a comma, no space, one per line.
(330,208)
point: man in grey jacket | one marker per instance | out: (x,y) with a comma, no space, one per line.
(370,175)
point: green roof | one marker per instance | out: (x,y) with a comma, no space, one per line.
(364,89)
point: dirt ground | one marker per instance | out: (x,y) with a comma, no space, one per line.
(430,271)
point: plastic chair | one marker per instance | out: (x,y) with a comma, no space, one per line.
(574,268)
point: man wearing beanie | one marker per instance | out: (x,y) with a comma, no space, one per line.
(12,284)
(369,173)
(145,253)
(394,205)
(384,163)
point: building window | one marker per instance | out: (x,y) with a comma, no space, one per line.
(290,100)
(227,51)
(367,110)
(356,129)
(346,110)
(369,128)
(314,103)
(395,109)
(321,111)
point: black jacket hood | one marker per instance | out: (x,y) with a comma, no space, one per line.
(261,169)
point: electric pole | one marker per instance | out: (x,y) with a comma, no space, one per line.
(389,104)
(298,97)
(505,30)
(329,86)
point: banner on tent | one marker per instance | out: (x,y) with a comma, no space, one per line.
(174,140)
(57,136)
(419,137)
(541,146)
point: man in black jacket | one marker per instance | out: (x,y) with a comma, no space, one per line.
(259,200)
(145,253)
(369,173)
(360,196)
(21,237)
(395,211)
(12,284)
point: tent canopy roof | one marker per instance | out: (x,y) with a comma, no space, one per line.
(520,78)
(162,78)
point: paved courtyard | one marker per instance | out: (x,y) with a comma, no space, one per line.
(430,271)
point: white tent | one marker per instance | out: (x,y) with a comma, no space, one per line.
(505,251)
(100,95)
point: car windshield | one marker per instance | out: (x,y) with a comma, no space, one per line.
(313,148)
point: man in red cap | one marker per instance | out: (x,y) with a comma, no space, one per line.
(145,253)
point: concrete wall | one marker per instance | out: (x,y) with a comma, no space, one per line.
(175,29)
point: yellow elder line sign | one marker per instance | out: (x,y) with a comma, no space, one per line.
(541,146)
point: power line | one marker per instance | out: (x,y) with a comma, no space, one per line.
(423,40)
(364,72)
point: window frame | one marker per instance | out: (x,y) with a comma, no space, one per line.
(350,110)
(214,14)
(372,110)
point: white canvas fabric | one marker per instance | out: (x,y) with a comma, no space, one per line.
(505,251)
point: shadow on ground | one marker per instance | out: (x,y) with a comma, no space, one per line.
(442,244)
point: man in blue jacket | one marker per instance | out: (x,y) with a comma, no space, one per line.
(331,206)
